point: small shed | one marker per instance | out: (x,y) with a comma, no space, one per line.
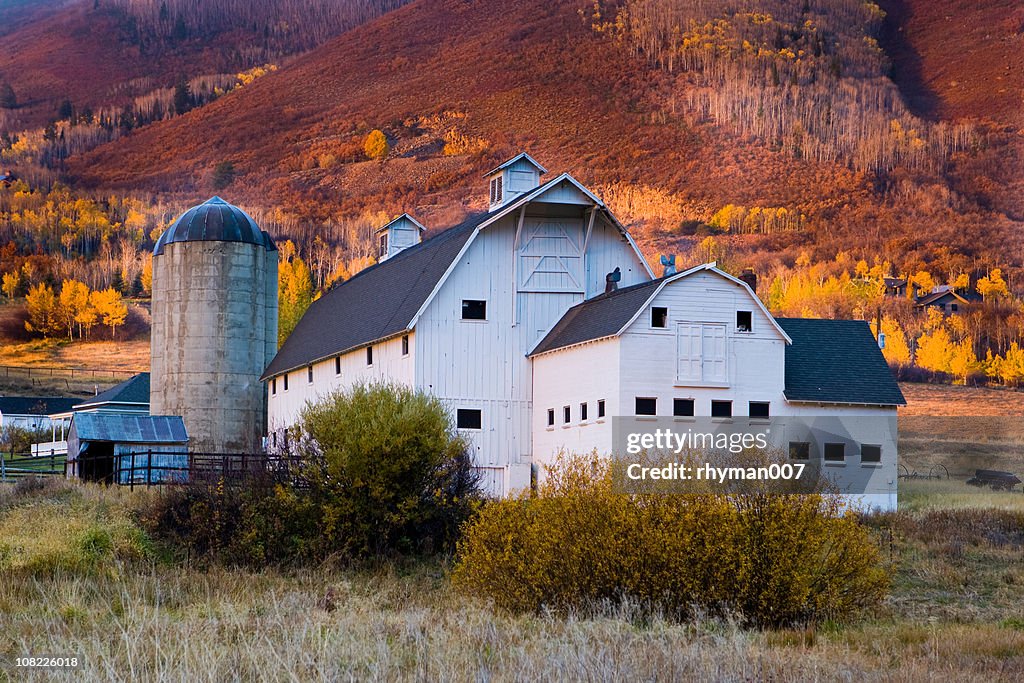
(125,448)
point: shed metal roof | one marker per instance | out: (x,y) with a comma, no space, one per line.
(837,361)
(124,428)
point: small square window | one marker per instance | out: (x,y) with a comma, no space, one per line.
(743,321)
(382,249)
(551,417)
(405,345)
(646,406)
(659,317)
(566,415)
(583,412)
(721,409)
(474,309)
(337,365)
(468,419)
(309,374)
(682,407)
(954,308)
(600,408)
(273,386)
(835,452)
(799,450)
(760,410)
(870,453)
(369,355)
(285,381)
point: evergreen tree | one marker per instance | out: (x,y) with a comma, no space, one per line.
(8,100)
(182,97)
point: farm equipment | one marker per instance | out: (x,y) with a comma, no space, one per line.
(994,479)
(934,472)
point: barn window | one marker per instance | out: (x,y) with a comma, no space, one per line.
(383,245)
(743,321)
(466,418)
(551,417)
(369,355)
(835,452)
(600,409)
(701,356)
(659,317)
(474,309)
(799,450)
(646,406)
(721,409)
(566,415)
(496,190)
(954,308)
(273,386)
(285,381)
(309,374)
(337,365)
(405,345)
(583,412)
(870,453)
(682,407)
(759,410)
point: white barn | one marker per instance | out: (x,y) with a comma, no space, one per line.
(506,318)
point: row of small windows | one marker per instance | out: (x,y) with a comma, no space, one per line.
(337,366)
(584,413)
(684,407)
(659,319)
(835,452)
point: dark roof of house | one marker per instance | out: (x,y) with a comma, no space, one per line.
(134,390)
(214,221)
(375,304)
(936,297)
(837,361)
(601,316)
(36,405)
(122,428)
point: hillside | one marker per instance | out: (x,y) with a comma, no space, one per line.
(537,76)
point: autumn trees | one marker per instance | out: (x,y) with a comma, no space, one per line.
(74,309)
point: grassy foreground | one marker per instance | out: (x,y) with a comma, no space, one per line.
(77,578)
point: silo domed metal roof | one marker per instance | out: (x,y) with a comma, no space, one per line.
(214,221)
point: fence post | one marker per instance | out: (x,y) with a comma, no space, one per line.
(3,467)
(131,475)
(149,467)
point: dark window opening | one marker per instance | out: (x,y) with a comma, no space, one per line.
(496,190)
(800,450)
(646,406)
(721,409)
(954,308)
(383,245)
(273,386)
(870,453)
(337,365)
(659,317)
(682,407)
(600,408)
(743,321)
(551,417)
(405,345)
(583,412)
(369,355)
(835,452)
(760,410)
(468,419)
(566,415)
(309,374)
(286,382)
(474,309)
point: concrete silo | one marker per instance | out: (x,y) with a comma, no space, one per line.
(214,326)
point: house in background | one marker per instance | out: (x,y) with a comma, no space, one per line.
(539,321)
(32,412)
(895,286)
(943,298)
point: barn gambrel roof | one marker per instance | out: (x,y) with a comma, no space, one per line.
(387,299)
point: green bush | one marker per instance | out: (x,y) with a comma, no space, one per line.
(770,559)
(384,475)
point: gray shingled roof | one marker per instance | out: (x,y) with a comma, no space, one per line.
(36,405)
(134,390)
(120,428)
(837,361)
(601,316)
(375,304)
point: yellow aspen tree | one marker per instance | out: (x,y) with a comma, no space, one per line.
(934,351)
(376,145)
(110,308)
(146,278)
(896,351)
(963,361)
(74,297)
(42,310)
(10,284)
(993,285)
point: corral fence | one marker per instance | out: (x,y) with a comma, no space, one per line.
(15,467)
(154,467)
(43,371)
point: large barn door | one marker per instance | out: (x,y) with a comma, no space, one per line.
(701,353)
(550,258)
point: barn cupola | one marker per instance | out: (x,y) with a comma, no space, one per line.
(401,233)
(515,177)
